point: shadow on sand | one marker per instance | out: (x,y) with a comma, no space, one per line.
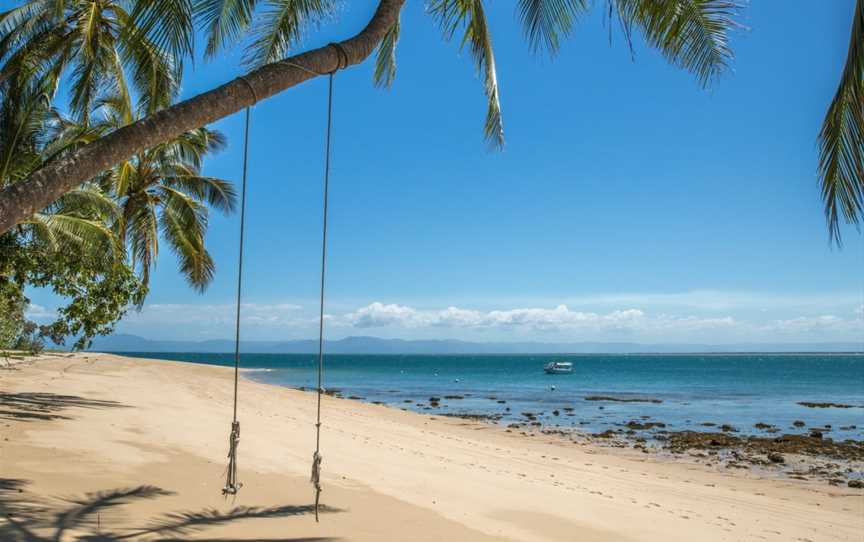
(26,518)
(45,406)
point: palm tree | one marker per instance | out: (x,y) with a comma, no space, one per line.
(97,46)
(29,137)
(841,140)
(161,192)
(691,34)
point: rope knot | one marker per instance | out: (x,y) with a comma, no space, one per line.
(232,486)
(316,471)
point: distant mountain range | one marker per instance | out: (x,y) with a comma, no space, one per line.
(374,345)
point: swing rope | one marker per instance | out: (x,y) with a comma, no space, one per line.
(232,485)
(316,457)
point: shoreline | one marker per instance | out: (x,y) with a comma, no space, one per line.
(140,421)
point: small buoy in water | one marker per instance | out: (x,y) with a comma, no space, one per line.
(552,388)
(456,380)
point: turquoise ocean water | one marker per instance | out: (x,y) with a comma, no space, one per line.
(740,390)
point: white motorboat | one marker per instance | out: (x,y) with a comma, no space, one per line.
(558,368)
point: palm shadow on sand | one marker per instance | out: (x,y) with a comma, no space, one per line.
(33,406)
(27,518)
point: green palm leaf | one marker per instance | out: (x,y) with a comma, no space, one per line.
(281,26)
(546,21)
(841,139)
(183,222)
(167,23)
(692,34)
(469,17)
(224,21)
(385,59)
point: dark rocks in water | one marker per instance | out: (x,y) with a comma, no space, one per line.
(529,415)
(500,401)
(355,397)
(726,428)
(633,424)
(622,399)
(408,401)
(811,404)
(816,434)
(849,428)
(377,402)
(454,397)
(535,423)
(682,441)
(555,413)
(434,399)
(855,484)
(333,392)
(514,425)
(763,426)
(605,434)
(798,423)
(474,417)
(507,409)
(708,424)
(567,409)
(776,457)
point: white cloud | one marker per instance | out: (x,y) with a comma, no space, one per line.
(809,325)
(560,318)
(39,313)
(528,321)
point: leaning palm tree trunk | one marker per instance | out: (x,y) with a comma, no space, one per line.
(21,200)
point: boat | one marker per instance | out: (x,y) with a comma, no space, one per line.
(558,368)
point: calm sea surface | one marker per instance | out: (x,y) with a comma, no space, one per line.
(740,390)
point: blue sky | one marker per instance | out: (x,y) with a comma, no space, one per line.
(628,203)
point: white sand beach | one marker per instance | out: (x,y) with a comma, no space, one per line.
(102,447)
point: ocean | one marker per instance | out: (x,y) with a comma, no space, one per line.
(690,392)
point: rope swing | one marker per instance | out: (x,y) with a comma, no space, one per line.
(232,485)
(315,478)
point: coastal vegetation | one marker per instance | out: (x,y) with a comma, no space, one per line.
(64,84)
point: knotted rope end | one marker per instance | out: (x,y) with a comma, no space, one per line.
(232,486)
(316,479)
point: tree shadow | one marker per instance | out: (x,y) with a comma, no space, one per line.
(32,406)
(25,518)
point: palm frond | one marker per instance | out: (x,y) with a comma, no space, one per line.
(469,16)
(545,22)
(224,21)
(692,34)
(385,59)
(154,75)
(167,23)
(841,139)
(183,223)
(139,226)
(281,26)
(218,193)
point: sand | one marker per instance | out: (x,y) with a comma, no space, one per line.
(103,448)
